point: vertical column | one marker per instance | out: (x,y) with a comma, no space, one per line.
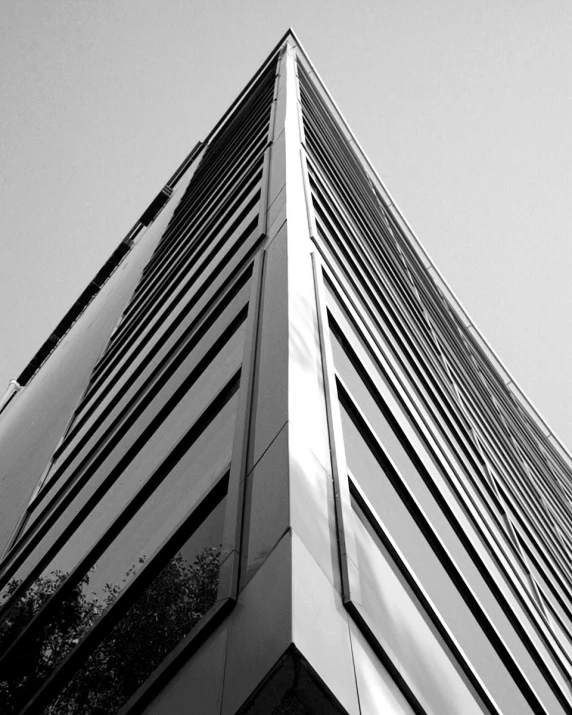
(289,591)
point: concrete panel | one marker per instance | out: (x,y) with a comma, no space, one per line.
(320,626)
(276,214)
(260,627)
(277,167)
(378,692)
(270,403)
(267,512)
(312,506)
(306,398)
(197,686)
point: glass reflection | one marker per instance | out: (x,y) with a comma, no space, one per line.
(179,596)
(82,602)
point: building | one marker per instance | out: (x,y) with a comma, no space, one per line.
(266,464)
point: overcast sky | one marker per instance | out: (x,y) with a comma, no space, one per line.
(464,107)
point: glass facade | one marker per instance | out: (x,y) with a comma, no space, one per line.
(276,469)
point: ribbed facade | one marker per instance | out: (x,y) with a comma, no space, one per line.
(266,464)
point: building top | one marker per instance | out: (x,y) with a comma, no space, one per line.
(158,202)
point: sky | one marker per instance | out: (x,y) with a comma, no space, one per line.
(463,106)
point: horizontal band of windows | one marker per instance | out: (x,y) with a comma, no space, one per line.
(403,511)
(199,315)
(412,625)
(360,292)
(216,352)
(326,215)
(196,212)
(139,307)
(363,213)
(514,476)
(432,391)
(150,379)
(377,250)
(164,296)
(536,532)
(195,243)
(111,625)
(437,426)
(202,213)
(219,144)
(401,327)
(344,352)
(100,502)
(529,482)
(212,167)
(134,445)
(216,289)
(209,174)
(167,315)
(207,294)
(445,417)
(362,380)
(514,509)
(337,146)
(394,441)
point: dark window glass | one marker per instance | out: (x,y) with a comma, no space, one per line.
(161,615)
(146,459)
(186,477)
(393,611)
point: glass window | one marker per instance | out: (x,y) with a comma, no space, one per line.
(121,472)
(161,615)
(404,630)
(175,488)
(129,398)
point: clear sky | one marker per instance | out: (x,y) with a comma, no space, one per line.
(463,106)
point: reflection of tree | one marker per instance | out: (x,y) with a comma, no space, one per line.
(160,617)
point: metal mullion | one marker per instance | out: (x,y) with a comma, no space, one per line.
(347,548)
(234,519)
